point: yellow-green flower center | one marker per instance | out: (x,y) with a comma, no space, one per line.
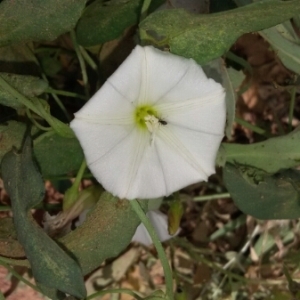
(141,112)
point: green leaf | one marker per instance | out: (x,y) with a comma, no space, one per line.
(52,293)
(206,37)
(175,214)
(231,81)
(39,106)
(49,60)
(103,22)
(271,155)
(29,86)
(11,135)
(236,77)
(261,195)
(286,46)
(107,230)
(228,78)
(37,20)
(57,155)
(51,266)
(18,59)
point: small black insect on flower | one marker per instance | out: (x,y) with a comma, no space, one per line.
(162,122)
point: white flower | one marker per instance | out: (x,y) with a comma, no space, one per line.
(159,222)
(154,127)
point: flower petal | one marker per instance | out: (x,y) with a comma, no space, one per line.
(106,102)
(202,148)
(204,114)
(160,223)
(163,72)
(131,162)
(99,140)
(193,85)
(180,166)
(142,236)
(116,170)
(128,77)
(149,180)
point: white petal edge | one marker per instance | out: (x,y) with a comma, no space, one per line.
(160,223)
(129,166)
(98,140)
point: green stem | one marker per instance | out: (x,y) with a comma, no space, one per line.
(15,262)
(292,106)
(57,100)
(43,136)
(144,11)
(18,276)
(79,174)
(81,63)
(37,124)
(254,128)
(71,195)
(159,248)
(5,208)
(212,197)
(88,59)
(22,99)
(114,291)
(61,106)
(36,106)
(84,176)
(65,93)
(239,60)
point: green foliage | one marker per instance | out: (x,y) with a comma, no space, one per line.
(104,234)
(12,134)
(270,156)
(205,37)
(259,177)
(103,22)
(37,20)
(18,59)
(29,86)
(262,195)
(51,266)
(285,43)
(39,106)
(230,80)
(57,155)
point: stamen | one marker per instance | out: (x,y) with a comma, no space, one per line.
(152,123)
